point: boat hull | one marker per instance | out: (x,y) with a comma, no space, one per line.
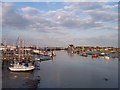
(107,58)
(22,69)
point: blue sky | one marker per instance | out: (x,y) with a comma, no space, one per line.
(40,5)
(61,23)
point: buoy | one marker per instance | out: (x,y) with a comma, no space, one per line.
(106,79)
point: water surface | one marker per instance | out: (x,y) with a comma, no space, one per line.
(75,71)
(66,71)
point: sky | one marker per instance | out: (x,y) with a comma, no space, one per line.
(60,23)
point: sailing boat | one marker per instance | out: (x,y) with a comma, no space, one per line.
(21,63)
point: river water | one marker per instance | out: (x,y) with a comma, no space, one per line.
(65,71)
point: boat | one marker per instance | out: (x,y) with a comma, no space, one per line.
(94,56)
(51,53)
(18,67)
(84,54)
(45,57)
(21,60)
(37,59)
(102,54)
(106,57)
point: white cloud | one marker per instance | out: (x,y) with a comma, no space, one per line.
(108,40)
(91,0)
(104,16)
(11,19)
(36,18)
(95,9)
(29,10)
(62,22)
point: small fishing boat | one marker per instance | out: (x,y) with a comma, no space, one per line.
(94,56)
(37,59)
(18,67)
(106,57)
(51,53)
(84,54)
(102,54)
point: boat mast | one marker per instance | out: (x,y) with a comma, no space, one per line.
(18,45)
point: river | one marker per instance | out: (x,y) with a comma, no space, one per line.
(65,71)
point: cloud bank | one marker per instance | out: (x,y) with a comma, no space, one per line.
(63,25)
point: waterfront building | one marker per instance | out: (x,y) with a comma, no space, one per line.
(71,48)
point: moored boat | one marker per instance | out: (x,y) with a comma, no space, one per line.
(17,67)
(45,57)
(106,57)
(84,54)
(22,60)
(94,56)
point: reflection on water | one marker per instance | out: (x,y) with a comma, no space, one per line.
(19,79)
(75,71)
(66,71)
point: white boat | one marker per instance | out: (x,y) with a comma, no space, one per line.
(21,64)
(51,53)
(37,59)
(102,54)
(21,68)
(106,57)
